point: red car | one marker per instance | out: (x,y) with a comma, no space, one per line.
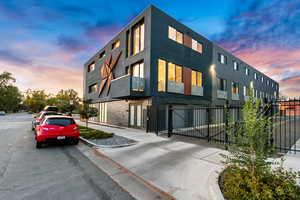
(56,128)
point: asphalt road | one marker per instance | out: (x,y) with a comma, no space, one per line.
(55,172)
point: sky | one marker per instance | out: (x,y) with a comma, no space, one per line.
(45,43)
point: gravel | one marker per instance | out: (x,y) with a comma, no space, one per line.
(114,141)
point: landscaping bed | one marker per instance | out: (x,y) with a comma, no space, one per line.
(89,133)
(102,139)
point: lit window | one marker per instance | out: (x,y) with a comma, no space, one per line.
(171,72)
(138,38)
(222,58)
(178,74)
(194,44)
(116,44)
(234,88)
(93,88)
(235,66)
(222,84)
(138,70)
(102,54)
(161,87)
(179,37)
(196,78)
(91,67)
(128,44)
(172,33)
(255,76)
(246,71)
(199,47)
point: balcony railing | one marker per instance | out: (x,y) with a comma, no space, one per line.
(175,87)
(235,97)
(126,86)
(196,90)
(221,94)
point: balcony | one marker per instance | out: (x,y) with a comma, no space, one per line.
(175,87)
(127,86)
(235,97)
(221,94)
(197,91)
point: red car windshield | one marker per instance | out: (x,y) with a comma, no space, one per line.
(60,121)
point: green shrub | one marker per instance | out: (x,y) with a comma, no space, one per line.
(89,133)
(237,184)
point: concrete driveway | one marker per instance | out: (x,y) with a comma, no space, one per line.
(57,172)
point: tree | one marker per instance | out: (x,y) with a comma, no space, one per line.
(86,111)
(10,96)
(35,100)
(67,100)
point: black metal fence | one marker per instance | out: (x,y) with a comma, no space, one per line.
(211,122)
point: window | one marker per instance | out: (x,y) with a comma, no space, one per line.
(91,67)
(138,70)
(172,33)
(174,73)
(222,84)
(196,78)
(127,70)
(138,38)
(171,71)
(116,44)
(247,91)
(128,45)
(234,88)
(255,76)
(222,59)
(268,82)
(262,79)
(235,65)
(194,44)
(93,88)
(179,37)
(246,71)
(272,84)
(161,79)
(102,54)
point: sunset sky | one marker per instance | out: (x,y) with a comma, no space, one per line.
(45,43)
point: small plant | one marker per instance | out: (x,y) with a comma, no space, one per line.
(86,111)
(249,174)
(89,133)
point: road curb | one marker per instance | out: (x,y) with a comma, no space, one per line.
(140,180)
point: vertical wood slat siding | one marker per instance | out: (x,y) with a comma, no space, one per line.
(187,41)
(187,75)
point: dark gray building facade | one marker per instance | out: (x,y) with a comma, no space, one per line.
(157,61)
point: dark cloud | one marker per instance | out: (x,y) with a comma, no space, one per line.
(12,57)
(262,23)
(71,44)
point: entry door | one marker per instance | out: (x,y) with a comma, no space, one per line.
(135,115)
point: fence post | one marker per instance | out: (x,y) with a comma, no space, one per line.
(226,110)
(170,120)
(208,123)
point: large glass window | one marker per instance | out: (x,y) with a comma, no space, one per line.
(196,78)
(178,75)
(222,84)
(138,70)
(161,79)
(234,88)
(235,65)
(138,38)
(194,44)
(246,71)
(128,45)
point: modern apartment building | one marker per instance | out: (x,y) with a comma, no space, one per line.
(157,61)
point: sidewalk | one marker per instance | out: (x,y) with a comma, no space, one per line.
(186,168)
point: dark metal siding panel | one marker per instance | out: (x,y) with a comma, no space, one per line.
(187,74)
(187,41)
